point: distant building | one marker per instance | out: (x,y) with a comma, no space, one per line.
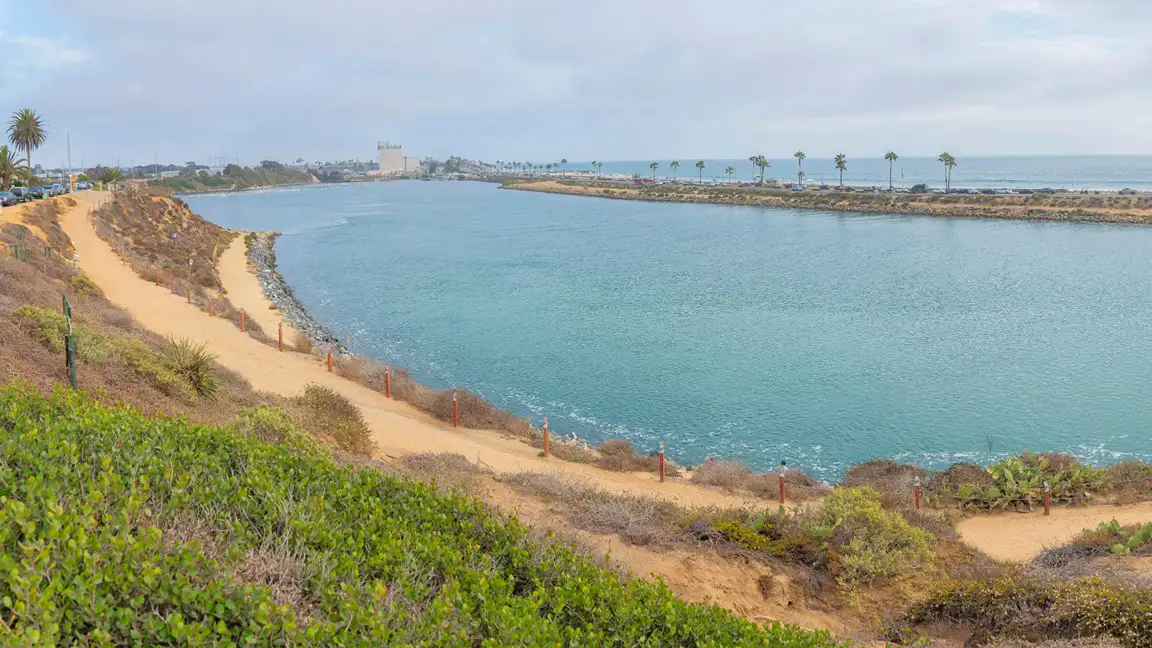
(391,158)
(412,165)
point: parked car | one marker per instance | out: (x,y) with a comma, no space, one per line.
(21,194)
(39,192)
(8,199)
(83,185)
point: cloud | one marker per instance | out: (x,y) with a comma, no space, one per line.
(39,53)
(519,79)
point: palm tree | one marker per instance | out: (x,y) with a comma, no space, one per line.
(653,167)
(841,164)
(26,131)
(595,166)
(700,168)
(891,157)
(549,167)
(564,162)
(675,165)
(799,155)
(10,170)
(755,162)
(730,170)
(111,176)
(949,162)
(763,163)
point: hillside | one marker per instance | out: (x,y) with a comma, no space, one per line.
(235,177)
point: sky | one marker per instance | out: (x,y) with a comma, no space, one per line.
(131,80)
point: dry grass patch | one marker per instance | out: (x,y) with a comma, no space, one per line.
(335,419)
(303,344)
(445,470)
(620,456)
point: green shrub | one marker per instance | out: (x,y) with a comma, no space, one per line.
(876,544)
(120,530)
(193,362)
(1041,609)
(274,425)
(82,285)
(154,367)
(49,327)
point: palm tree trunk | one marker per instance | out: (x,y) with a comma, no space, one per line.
(841,178)
(889,175)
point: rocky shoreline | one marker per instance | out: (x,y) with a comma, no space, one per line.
(1070,208)
(263,259)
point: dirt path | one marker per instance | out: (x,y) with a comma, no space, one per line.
(1019,537)
(244,290)
(397,428)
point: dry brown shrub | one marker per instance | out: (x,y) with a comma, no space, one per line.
(799,486)
(303,344)
(732,475)
(1056,460)
(447,470)
(619,455)
(1131,481)
(330,415)
(894,481)
(641,520)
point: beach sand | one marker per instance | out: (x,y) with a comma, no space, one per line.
(245,293)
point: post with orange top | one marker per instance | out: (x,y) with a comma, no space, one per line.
(189,288)
(281,337)
(241,321)
(661,461)
(1047,499)
(211,313)
(329,358)
(388,382)
(545,436)
(783,469)
(916,492)
(156,274)
(455,410)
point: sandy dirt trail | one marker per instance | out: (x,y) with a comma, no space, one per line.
(397,428)
(1019,537)
(244,290)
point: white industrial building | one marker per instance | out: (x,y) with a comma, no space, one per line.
(391,158)
(411,165)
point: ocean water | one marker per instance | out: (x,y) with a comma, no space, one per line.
(820,338)
(1110,172)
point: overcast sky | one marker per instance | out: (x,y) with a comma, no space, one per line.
(587,79)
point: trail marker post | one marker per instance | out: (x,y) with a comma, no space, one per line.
(388,382)
(916,492)
(783,469)
(545,437)
(281,337)
(661,462)
(69,345)
(241,321)
(455,410)
(329,358)
(1047,499)
(211,312)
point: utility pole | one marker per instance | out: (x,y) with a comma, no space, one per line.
(71,181)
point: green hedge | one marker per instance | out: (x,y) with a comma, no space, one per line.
(117,529)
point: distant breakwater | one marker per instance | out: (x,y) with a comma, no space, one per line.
(276,289)
(1067,207)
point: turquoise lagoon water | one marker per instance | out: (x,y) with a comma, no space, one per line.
(820,338)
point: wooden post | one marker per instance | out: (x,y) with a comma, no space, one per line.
(241,321)
(661,461)
(281,337)
(1047,499)
(156,274)
(388,382)
(916,492)
(783,469)
(455,410)
(189,287)
(329,358)
(545,437)
(211,312)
